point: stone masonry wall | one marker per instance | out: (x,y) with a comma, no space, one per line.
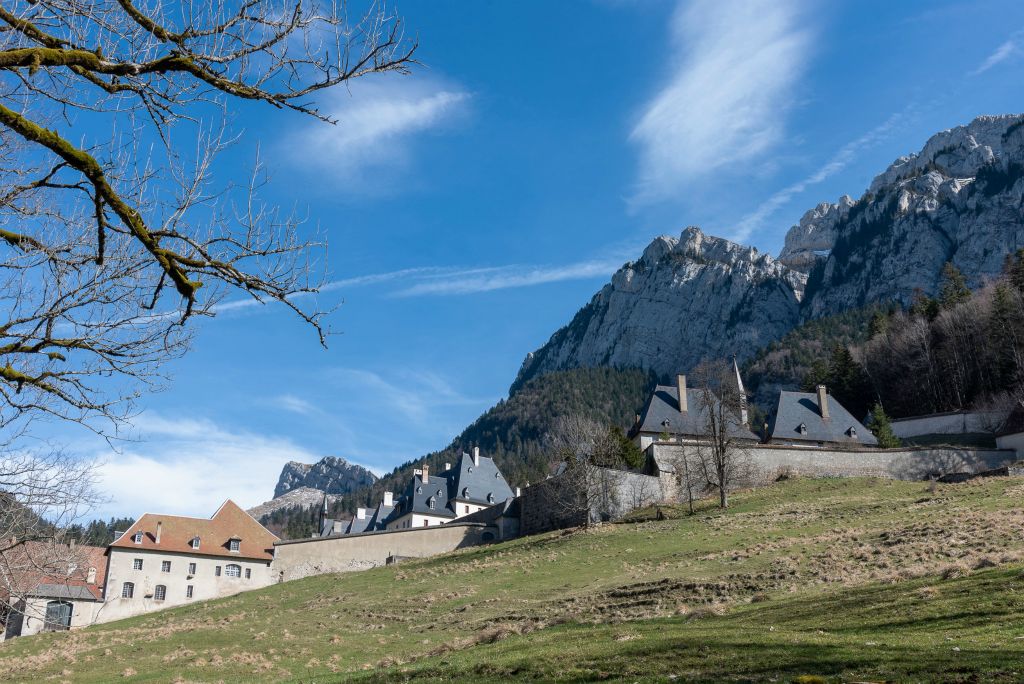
(305,557)
(769,461)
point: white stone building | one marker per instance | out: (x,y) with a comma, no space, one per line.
(168,560)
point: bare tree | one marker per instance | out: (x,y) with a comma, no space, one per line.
(688,475)
(583,454)
(113,115)
(721,455)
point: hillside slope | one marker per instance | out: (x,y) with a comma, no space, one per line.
(853,579)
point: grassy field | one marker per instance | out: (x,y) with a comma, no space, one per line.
(848,580)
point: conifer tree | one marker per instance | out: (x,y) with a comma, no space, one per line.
(881,427)
(954,288)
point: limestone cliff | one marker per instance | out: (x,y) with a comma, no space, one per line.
(330,474)
(960,199)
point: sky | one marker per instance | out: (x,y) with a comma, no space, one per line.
(474,206)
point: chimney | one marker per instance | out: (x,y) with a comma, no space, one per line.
(159,526)
(447,466)
(361,513)
(519,492)
(389,499)
(476,456)
(426,474)
(823,402)
(91,577)
(681,388)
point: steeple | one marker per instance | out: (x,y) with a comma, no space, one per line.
(744,418)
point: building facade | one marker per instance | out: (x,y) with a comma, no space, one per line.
(164,560)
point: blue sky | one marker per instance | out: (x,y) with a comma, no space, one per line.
(474,206)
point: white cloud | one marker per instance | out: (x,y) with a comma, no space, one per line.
(487,280)
(190,466)
(290,402)
(1000,54)
(377,123)
(846,154)
(735,66)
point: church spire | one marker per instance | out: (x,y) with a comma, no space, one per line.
(744,418)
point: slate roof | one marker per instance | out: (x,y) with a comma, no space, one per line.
(663,405)
(419,494)
(479,484)
(801,408)
(176,533)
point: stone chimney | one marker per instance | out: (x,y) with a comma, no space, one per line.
(684,404)
(823,402)
(361,513)
(389,499)
(159,526)
(476,456)
(519,492)
(91,577)
(426,473)
(447,466)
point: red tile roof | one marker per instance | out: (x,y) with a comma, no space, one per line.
(177,532)
(40,568)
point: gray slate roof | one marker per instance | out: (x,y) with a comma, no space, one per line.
(664,406)
(64,591)
(419,494)
(801,408)
(480,484)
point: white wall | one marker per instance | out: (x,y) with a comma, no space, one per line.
(959,422)
(205,583)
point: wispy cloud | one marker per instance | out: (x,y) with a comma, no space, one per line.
(846,154)
(1000,54)
(189,466)
(735,67)
(488,280)
(290,402)
(378,123)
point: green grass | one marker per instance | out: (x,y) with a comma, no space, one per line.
(837,578)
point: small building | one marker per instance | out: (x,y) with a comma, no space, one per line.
(168,560)
(664,416)
(816,419)
(50,587)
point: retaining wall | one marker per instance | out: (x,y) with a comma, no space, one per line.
(768,461)
(304,557)
(953,423)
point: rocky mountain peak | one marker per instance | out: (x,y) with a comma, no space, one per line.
(331,474)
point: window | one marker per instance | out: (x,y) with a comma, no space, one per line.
(233,570)
(235,545)
(431,502)
(191,568)
(128,590)
(467,509)
(248,573)
(802,429)
(137,538)
(165,566)
(188,591)
(137,564)
(216,571)
(490,498)
(426,522)
(159,593)
(853,432)
(195,542)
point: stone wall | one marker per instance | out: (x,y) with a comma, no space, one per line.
(953,423)
(768,461)
(558,503)
(305,557)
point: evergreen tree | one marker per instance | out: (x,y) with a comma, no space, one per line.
(1014,269)
(879,324)
(924,306)
(954,288)
(629,453)
(817,375)
(1004,325)
(881,427)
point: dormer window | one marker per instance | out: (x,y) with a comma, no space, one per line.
(439,492)
(235,545)
(431,502)
(137,538)
(469,469)
(419,490)
(465,492)
(195,542)
(490,498)
(852,432)
(802,429)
